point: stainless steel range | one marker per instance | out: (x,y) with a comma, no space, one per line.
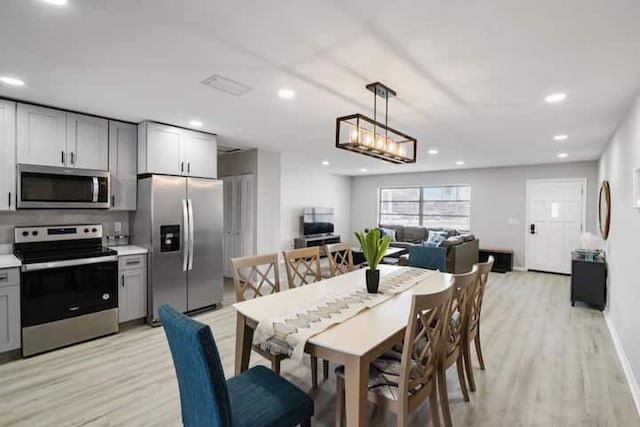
(68,286)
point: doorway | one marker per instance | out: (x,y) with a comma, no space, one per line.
(556,216)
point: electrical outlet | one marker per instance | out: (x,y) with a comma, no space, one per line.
(117,227)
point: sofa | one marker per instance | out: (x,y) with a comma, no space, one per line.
(463,248)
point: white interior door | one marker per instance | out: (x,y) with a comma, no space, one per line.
(555,220)
(246,214)
(229,221)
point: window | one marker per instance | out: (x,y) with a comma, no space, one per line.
(445,206)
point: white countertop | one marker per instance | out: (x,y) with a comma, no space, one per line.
(9,261)
(125,250)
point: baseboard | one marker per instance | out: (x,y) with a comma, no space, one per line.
(626,366)
(519,268)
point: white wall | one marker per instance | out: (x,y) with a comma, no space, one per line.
(617,164)
(496,195)
(309,188)
(268,188)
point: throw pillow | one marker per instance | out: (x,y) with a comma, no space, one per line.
(429,244)
(437,236)
(389,231)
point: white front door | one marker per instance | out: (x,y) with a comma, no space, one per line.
(555,220)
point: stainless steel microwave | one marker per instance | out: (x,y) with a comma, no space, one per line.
(42,187)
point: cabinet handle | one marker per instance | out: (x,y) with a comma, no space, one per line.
(62,155)
(113,201)
(133,262)
(9,198)
(188,167)
(72,160)
(4,277)
(181,166)
(122,280)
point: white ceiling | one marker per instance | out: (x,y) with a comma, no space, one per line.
(471,75)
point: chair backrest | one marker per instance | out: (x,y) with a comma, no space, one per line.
(255,276)
(203,389)
(426,328)
(475,301)
(462,285)
(303,266)
(340,258)
(426,257)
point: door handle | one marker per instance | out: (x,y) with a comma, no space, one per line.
(62,156)
(96,188)
(191,233)
(122,280)
(185,234)
(532,229)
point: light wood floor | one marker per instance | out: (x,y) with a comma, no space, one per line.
(548,364)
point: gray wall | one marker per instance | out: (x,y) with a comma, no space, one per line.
(497,194)
(617,164)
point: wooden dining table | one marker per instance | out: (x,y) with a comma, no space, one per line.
(354,343)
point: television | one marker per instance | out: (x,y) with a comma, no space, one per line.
(317,221)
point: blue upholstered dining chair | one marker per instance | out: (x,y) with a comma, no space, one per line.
(432,258)
(257,397)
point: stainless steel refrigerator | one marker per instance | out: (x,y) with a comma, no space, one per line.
(179,221)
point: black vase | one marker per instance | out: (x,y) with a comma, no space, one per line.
(373,280)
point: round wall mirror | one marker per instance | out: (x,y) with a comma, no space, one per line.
(604,209)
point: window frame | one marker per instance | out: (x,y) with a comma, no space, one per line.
(421,201)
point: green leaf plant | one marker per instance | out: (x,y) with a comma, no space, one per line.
(373,246)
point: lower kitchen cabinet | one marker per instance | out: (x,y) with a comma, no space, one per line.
(132,289)
(9,309)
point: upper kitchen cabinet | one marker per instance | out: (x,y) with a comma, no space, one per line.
(7,155)
(171,150)
(200,154)
(49,137)
(123,165)
(42,136)
(87,142)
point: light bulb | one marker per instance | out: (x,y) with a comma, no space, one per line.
(354,136)
(402,150)
(391,147)
(380,143)
(367,140)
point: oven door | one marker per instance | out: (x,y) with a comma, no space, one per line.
(63,289)
(41,187)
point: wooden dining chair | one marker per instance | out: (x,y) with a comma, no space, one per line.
(402,381)
(472,331)
(451,348)
(303,268)
(340,258)
(254,277)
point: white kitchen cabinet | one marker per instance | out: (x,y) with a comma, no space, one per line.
(7,155)
(132,289)
(123,166)
(200,154)
(87,142)
(170,150)
(49,137)
(9,309)
(41,136)
(239,218)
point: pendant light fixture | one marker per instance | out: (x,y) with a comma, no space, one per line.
(361,134)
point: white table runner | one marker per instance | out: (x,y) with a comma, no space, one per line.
(288,334)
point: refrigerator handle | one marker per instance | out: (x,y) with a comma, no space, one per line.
(185,234)
(191,233)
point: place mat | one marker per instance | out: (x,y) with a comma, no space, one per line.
(288,334)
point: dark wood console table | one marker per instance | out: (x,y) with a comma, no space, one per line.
(588,280)
(310,241)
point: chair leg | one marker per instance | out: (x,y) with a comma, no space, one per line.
(466,347)
(461,379)
(433,407)
(444,396)
(275,365)
(340,398)
(306,423)
(479,350)
(314,372)
(325,369)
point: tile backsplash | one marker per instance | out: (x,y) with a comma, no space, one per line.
(9,220)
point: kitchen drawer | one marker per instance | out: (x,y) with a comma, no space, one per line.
(9,277)
(132,262)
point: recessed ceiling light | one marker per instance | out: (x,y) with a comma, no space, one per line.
(56,2)
(433,152)
(555,97)
(286,93)
(363,170)
(562,155)
(460,163)
(560,137)
(11,81)
(195,123)
(325,163)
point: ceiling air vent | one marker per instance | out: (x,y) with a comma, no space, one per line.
(226,85)
(225,149)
